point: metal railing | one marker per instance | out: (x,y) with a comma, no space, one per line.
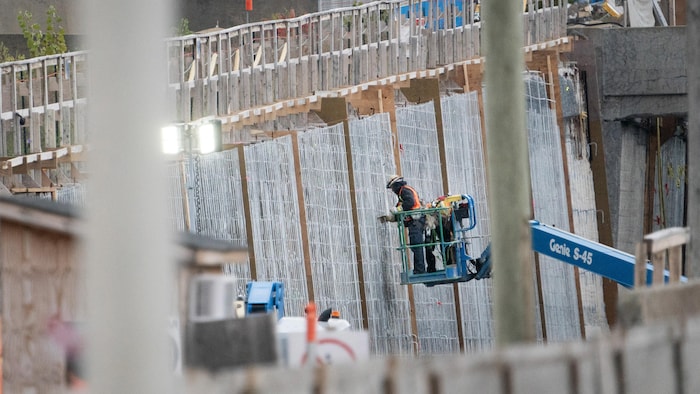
(229,71)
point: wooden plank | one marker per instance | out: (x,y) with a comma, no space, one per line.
(185,196)
(45,180)
(658,261)
(647,305)
(674,264)
(640,265)
(666,239)
(367,102)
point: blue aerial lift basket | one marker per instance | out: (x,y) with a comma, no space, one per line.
(453,218)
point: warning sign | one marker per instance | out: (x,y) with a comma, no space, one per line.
(331,348)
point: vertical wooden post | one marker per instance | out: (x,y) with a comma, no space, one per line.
(334,111)
(546,62)
(640,265)
(587,64)
(185,196)
(302,217)
(660,245)
(248,216)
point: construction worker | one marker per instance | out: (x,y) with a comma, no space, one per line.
(408,201)
(438,229)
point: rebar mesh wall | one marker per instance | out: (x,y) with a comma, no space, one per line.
(274,214)
(558,286)
(669,185)
(582,193)
(175,198)
(420,166)
(218,205)
(466,173)
(387,300)
(72,193)
(329,223)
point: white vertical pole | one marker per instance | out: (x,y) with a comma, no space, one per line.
(127,238)
(509,173)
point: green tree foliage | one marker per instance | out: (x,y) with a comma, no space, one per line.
(6,56)
(39,42)
(184,28)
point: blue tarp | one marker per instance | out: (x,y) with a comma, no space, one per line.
(434,7)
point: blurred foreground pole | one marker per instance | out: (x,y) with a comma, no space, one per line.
(693,67)
(127,266)
(508,170)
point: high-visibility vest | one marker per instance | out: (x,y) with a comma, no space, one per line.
(416,199)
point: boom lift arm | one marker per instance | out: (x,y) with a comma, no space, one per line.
(586,254)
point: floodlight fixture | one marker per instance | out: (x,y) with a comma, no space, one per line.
(200,137)
(208,136)
(172,138)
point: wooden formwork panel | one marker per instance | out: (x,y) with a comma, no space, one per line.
(303,88)
(245,89)
(383,62)
(372,62)
(268,86)
(292,79)
(234,98)
(314,73)
(403,63)
(40,280)
(282,80)
(50,118)
(329,72)
(224,93)
(449,46)
(432,51)
(345,68)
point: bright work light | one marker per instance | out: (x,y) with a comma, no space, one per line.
(172,137)
(208,137)
(202,137)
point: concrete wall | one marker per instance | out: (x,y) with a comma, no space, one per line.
(11,33)
(205,14)
(642,71)
(68,10)
(639,65)
(630,73)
